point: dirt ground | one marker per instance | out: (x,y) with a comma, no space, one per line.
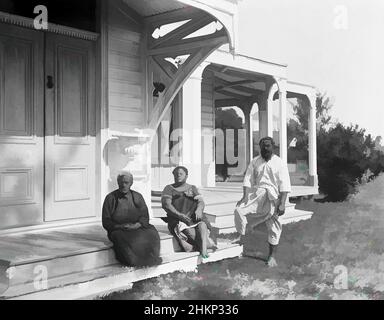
(338,254)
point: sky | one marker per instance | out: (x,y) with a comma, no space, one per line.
(335,45)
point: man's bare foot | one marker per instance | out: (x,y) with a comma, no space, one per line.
(271,262)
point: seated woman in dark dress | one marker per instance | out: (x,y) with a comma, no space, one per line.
(186,221)
(125,217)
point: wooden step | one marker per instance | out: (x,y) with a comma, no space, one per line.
(295,216)
(221,213)
(25,257)
(156,193)
(158,211)
(100,281)
(220,210)
(224,229)
(113,276)
(23,271)
(223,220)
(156,199)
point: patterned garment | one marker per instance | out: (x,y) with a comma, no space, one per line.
(185,199)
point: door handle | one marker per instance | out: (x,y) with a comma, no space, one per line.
(50,83)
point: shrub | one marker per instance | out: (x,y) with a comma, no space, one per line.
(345,157)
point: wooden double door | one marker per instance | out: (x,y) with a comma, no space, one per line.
(47,127)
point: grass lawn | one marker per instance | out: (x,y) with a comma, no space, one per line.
(343,237)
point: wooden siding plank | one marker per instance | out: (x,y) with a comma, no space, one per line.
(125,87)
(207,102)
(124,126)
(124,61)
(127,47)
(207,96)
(207,124)
(206,109)
(207,116)
(117,32)
(129,115)
(125,101)
(129,76)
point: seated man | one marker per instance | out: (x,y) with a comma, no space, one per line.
(125,217)
(186,221)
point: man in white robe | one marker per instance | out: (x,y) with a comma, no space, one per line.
(265,190)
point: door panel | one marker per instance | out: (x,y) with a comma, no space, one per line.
(69,129)
(21,127)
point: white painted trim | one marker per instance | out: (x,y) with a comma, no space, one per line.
(300,88)
(52,226)
(126,277)
(300,84)
(272,91)
(102,103)
(247,64)
(312,127)
(282,87)
(224,11)
(251,58)
(54,28)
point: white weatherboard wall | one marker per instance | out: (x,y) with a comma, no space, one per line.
(126,110)
(126,103)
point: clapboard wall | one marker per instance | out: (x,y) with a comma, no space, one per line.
(126,98)
(126,77)
(207,102)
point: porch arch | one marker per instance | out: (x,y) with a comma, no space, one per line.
(306,93)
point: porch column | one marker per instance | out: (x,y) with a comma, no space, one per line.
(262,103)
(249,138)
(282,83)
(313,179)
(191,126)
(251,129)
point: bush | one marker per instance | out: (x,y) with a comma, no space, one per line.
(345,157)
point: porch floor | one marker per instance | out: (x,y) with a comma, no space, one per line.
(79,262)
(31,247)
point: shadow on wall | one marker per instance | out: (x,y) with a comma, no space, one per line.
(12,218)
(127,154)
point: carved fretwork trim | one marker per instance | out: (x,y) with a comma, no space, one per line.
(178,42)
(54,28)
(164,101)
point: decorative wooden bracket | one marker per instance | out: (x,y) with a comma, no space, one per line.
(174,56)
